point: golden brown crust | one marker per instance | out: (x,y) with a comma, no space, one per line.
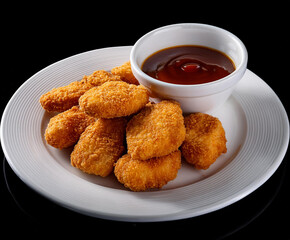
(100,146)
(100,77)
(141,175)
(205,140)
(156,131)
(125,72)
(63,98)
(65,128)
(114,99)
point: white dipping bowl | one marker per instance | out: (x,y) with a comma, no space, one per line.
(195,97)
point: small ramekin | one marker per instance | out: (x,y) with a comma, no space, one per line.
(195,97)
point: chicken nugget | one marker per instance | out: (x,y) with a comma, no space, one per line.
(63,98)
(141,175)
(114,99)
(65,129)
(156,131)
(205,140)
(125,72)
(100,146)
(99,77)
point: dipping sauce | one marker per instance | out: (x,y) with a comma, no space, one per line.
(188,64)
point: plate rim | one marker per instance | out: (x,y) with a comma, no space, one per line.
(123,217)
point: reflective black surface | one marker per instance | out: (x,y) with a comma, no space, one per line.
(37,38)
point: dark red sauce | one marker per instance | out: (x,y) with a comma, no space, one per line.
(188,65)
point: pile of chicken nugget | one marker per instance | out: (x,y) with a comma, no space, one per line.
(108,118)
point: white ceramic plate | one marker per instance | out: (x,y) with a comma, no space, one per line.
(257,130)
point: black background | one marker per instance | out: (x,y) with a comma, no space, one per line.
(36,36)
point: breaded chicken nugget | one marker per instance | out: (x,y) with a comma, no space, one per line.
(114,99)
(141,175)
(156,131)
(63,98)
(99,77)
(100,146)
(64,129)
(205,140)
(125,72)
